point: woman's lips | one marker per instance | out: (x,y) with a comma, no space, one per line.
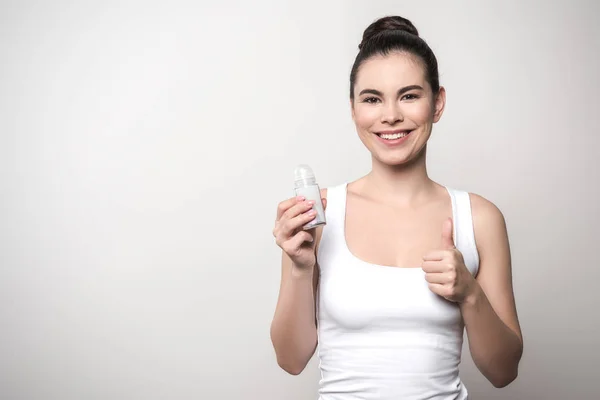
(393,138)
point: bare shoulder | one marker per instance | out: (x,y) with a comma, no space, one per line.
(486,215)
(484,207)
(492,241)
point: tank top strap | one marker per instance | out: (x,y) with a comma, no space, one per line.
(464,234)
(333,236)
(336,205)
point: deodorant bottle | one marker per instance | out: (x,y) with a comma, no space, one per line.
(306,185)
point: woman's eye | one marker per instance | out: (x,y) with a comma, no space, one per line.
(370,100)
(410,96)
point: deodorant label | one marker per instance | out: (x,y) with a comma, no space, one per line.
(312,192)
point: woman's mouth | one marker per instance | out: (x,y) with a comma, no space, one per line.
(393,137)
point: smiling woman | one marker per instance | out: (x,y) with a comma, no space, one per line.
(408,93)
(395,105)
(404,264)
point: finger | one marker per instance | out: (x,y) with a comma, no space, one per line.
(436,255)
(447,235)
(294,224)
(438,289)
(437,277)
(299,239)
(324,200)
(297,209)
(434,266)
(286,204)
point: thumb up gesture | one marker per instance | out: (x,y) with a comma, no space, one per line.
(445,270)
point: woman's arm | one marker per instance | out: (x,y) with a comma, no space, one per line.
(293,330)
(489,312)
(294,327)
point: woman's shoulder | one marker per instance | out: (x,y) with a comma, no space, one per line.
(489,224)
(484,211)
(481,207)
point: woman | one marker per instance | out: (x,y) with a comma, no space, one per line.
(404,264)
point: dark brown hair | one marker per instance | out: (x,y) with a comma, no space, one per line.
(390,34)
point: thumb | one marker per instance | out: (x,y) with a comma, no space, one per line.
(324,201)
(447,234)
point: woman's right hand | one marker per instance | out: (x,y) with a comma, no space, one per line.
(298,244)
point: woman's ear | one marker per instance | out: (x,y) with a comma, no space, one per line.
(439,104)
(352,110)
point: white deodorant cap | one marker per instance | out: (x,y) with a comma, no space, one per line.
(304,175)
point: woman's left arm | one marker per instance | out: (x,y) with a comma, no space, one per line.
(489,310)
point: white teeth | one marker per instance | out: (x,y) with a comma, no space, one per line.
(392,136)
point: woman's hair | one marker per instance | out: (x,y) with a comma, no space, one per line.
(390,34)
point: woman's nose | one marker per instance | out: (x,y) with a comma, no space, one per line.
(392,114)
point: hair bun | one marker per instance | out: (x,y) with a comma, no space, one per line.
(390,23)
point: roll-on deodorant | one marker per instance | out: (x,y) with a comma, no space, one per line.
(306,185)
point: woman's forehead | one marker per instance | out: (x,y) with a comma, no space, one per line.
(393,70)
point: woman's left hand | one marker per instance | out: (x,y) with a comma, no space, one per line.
(445,269)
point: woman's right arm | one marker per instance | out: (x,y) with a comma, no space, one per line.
(293,329)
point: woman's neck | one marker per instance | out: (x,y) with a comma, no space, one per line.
(406,184)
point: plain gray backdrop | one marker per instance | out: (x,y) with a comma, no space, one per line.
(144,147)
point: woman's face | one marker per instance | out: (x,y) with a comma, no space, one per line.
(394,107)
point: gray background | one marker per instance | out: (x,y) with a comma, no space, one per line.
(144,147)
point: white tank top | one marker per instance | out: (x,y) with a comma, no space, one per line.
(382,333)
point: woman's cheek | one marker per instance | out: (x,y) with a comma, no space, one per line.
(366,117)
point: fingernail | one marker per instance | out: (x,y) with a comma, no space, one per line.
(300,198)
(310,202)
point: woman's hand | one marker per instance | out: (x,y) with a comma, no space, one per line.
(446,272)
(298,244)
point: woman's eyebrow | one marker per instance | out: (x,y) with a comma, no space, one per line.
(400,92)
